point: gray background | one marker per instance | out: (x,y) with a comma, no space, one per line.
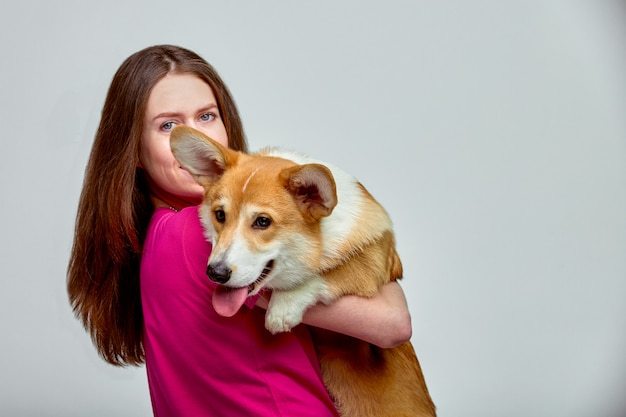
(493,131)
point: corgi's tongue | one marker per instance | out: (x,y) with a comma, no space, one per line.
(227,301)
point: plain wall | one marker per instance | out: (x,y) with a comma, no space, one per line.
(493,132)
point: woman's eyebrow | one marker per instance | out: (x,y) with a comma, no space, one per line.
(172,114)
(209,106)
(166,114)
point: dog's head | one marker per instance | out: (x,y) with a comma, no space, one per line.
(262,213)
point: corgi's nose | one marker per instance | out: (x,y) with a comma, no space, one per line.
(219,273)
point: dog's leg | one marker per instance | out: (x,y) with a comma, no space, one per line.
(286,308)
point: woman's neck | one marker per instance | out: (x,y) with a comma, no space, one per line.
(162,198)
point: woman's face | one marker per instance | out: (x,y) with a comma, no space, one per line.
(177,99)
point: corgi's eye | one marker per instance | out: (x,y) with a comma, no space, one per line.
(262,222)
(220,216)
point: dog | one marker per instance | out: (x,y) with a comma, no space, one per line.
(311,233)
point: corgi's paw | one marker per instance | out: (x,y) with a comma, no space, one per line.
(286,307)
(281,321)
(284,311)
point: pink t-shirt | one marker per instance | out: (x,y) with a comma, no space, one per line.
(201,364)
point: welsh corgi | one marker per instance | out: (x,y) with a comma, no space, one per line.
(311,233)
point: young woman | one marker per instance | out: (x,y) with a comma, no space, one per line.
(136,274)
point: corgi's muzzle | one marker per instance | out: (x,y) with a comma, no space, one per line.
(258,284)
(227,300)
(219,272)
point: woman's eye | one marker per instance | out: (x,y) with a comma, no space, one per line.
(207,117)
(168,126)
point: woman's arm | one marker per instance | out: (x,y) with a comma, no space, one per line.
(383,320)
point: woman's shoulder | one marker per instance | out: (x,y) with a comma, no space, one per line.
(175,247)
(172,232)
(167,224)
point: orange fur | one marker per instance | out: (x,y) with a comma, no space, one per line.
(354,254)
(365,380)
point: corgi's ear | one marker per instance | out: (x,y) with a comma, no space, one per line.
(313,188)
(205,159)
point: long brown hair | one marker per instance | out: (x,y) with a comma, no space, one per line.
(115,208)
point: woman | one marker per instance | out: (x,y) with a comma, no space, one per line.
(137,217)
